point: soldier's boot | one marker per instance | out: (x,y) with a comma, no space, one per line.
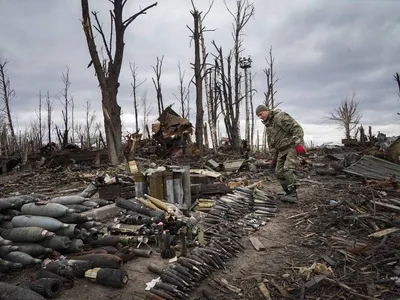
(290,197)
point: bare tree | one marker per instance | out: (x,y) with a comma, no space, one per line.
(270,93)
(39,115)
(108,73)
(49,105)
(397,79)
(204,70)
(157,83)
(146,110)
(135,86)
(7,93)
(80,132)
(65,101)
(231,96)
(183,93)
(72,103)
(347,115)
(90,117)
(271,82)
(198,78)
(213,104)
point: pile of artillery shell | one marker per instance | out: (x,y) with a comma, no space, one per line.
(33,226)
(263,204)
(222,235)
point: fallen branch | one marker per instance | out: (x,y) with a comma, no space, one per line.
(349,289)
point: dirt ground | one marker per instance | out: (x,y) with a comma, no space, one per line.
(291,242)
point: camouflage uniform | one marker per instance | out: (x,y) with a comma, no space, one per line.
(283,134)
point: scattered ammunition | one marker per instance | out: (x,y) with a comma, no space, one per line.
(11,213)
(109,249)
(126,254)
(142,252)
(47,287)
(10,291)
(90,204)
(4,204)
(90,224)
(108,277)
(7,249)
(68,267)
(6,225)
(171,289)
(167,252)
(92,251)
(101,202)
(58,267)
(33,249)
(56,242)
(75,246)
(72,231)
(21,258)
(156,268)
(54,210)
(74,218)
(46,274)
(101,260)
(9,264)
(108,240)
(163,294)
(68,200)
(26,234)
(78,208)
(146,203)
(47,223)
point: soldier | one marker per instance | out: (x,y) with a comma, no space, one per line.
(285,139)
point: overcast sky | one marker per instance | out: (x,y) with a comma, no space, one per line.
(324,51)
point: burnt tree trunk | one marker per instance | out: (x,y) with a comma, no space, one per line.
(49,105)
(108,76)
(7,93)
(198,81)
(157,84)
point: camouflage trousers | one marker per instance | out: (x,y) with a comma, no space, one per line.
(285,169)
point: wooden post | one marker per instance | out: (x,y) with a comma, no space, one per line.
(157,186)
(168,186)
(140,184)
(178,187)
(187,196)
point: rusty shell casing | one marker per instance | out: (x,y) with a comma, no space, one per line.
(108,277)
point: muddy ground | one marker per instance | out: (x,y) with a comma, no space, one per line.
(291,243)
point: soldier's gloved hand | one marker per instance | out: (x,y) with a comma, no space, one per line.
(300,149)
(273,164)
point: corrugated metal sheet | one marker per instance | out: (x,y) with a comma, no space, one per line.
(374,168)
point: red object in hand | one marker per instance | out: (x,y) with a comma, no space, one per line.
(273,163)
(300,149)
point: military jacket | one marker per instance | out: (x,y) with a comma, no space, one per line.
(282,132)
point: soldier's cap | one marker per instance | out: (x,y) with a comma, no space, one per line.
(261,108)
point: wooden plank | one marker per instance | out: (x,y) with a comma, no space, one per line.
(263,289)
(387,206)
(384,232)
(256,243)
